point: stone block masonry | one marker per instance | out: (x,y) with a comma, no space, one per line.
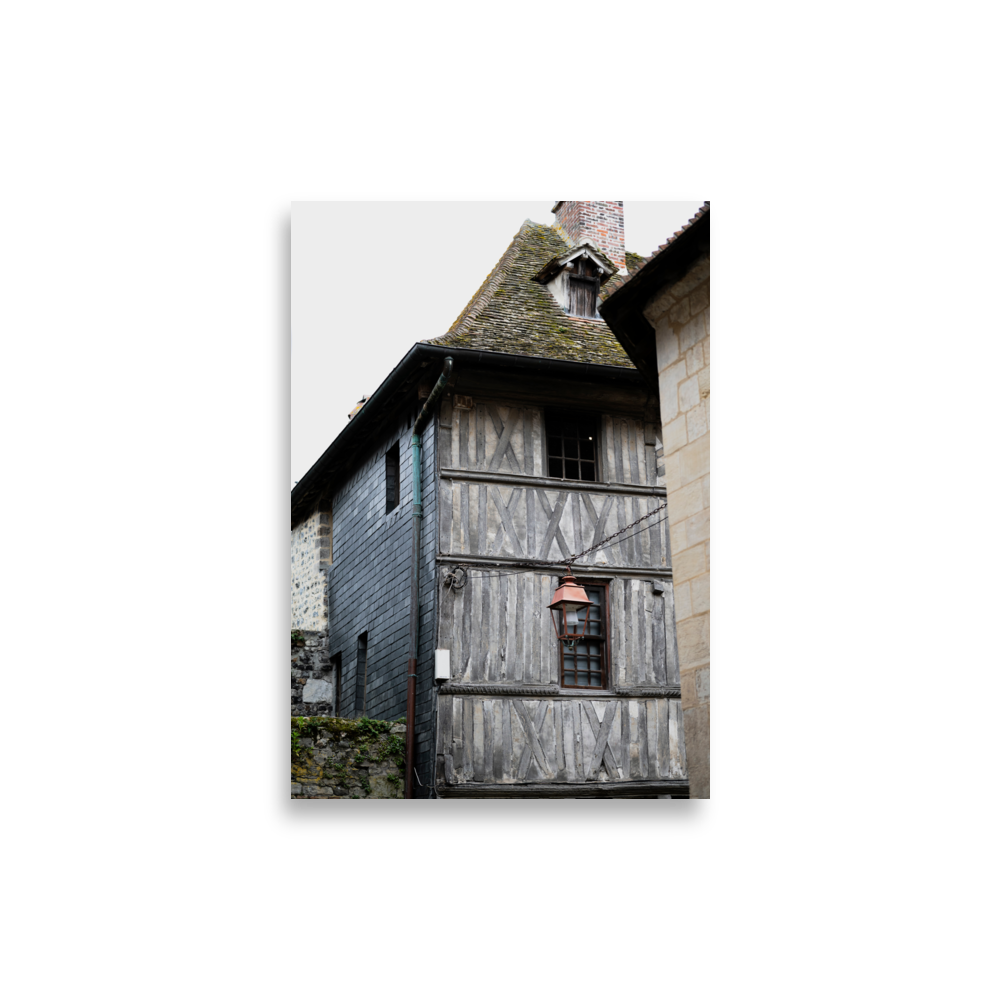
(310,559)
(312,676)
(680,316)
(346,759)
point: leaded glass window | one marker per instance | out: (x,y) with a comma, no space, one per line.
(585,665)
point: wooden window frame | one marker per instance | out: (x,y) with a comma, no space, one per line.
(576,272)
(571,414)
(605,642)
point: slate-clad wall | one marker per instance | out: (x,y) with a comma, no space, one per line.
(368,585)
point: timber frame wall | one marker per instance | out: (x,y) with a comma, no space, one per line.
(504,725)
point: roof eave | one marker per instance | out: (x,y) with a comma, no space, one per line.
(622,310)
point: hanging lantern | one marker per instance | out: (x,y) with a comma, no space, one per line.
(570,611)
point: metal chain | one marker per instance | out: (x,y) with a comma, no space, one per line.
(606,541)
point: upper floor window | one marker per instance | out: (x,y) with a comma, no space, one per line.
(572,445)
(584,281)
(392,478)
(586,664)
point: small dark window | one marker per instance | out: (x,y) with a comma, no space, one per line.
(572,445)
(583,285)
(586,664)
(361,674)
(336,684)
(392,478)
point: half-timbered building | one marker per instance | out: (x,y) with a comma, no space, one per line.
(520,443)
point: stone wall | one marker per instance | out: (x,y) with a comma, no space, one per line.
(347,759)
(310,559)
(313,690)
(680,316)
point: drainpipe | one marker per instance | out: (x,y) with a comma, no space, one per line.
(418,513)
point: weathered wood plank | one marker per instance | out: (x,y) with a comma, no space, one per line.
(620,523)
(618,451)
(633,739)
(480,436)
(642,738)
(672,662)
(508,743)
(628,622)
(528,440)
(615,741)
(497,738)
(559,750)
(488,739)
(633,455)
(655,552)
(658,655)
(640,588)
(546,729)
(446,494)
(486,647)
(475,588)
(534,674)
(503,616)
(650,478)
(653,736)
(464,432)
(619,658)
(465,709)
(478,767)
(464,545)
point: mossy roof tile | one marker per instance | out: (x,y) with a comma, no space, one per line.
(511,314)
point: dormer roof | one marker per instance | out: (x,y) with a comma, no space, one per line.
(563,260)
(512,313)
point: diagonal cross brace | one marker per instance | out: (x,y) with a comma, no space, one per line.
(534,746)
(506,445)
(603,733)
(505,512)
(553,530)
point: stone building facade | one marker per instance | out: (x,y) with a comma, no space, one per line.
(660,314)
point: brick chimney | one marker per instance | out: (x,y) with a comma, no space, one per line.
(599,222)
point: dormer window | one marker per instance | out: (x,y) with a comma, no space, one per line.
(574,278)
(584,280)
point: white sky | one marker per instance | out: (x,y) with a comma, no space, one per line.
(370,279)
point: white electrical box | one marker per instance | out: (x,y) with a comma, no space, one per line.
(442,664)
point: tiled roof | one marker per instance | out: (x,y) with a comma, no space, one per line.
(511,314)
(643,261)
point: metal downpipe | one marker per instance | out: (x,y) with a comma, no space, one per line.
(411,674)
